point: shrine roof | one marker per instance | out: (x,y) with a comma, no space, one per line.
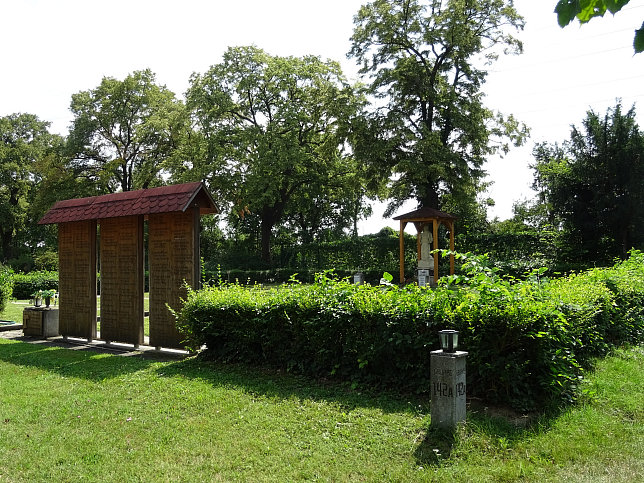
(163,199)
(423,214)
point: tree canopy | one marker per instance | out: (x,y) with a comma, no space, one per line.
(24,141)
(592,184)
(426,64)
(585,10)
(271,134)
(124,132)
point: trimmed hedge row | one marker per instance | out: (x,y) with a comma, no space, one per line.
(25,284)
(281,275)
(528,341)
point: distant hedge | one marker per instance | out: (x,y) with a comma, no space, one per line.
(282,275)
(25,284)
(528,342)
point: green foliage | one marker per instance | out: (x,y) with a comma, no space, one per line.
(24,143)
(27,284)
(371,254)
(426,62)
(329,328)
(585,10)
(6,286)
(271,134)
(47,260)
(124,132)
(528,341)
(517,253)
(591,186)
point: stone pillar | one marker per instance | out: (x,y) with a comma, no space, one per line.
(448,388)
(358,278)
(40,322)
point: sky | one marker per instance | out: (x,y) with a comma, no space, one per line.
(55,48)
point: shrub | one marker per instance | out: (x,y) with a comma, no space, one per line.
(528,341)
(6,286)
(330,328)
(27,284)
(47,260)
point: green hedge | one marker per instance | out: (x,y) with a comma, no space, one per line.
(282,275)
(528,342)
(379,252)
(25,284)
(6,286)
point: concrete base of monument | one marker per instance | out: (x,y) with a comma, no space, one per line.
(448,382)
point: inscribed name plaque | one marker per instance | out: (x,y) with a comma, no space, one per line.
(448,388)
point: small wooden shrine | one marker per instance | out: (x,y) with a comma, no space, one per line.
(117,221)
(422,218)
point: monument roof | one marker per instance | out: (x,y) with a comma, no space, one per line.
(163,199)
(425,213)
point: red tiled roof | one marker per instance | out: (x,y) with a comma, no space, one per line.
(141,202)
(425,213)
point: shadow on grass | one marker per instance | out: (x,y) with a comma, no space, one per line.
(495,430)
(81,363)
(273,383)
(500,432)
(97,366)
(436,448)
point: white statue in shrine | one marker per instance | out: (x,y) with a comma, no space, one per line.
(426,260)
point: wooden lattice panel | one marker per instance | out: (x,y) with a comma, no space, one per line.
(77,278)
(122,277)
(173,257)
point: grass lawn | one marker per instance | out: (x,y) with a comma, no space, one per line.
(13,311)
(68,415)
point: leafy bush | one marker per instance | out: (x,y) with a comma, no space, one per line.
(6,286)
(47,260)
(329,328)
(27,284)
(528,341)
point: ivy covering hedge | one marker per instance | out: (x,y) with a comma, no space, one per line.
(528,341)
(25,284)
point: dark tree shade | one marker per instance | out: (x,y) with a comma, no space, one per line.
(594,184)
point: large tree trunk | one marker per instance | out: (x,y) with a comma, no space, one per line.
(624,235)
(6,239)
(430,198)
(266,231)
(271,215)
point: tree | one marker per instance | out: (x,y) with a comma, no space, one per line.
(584,10)
(592,185)
(24,142)
(271,133)
(430,129)
(124,132)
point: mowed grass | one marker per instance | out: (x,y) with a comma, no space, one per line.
(13,311)
(69,415)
